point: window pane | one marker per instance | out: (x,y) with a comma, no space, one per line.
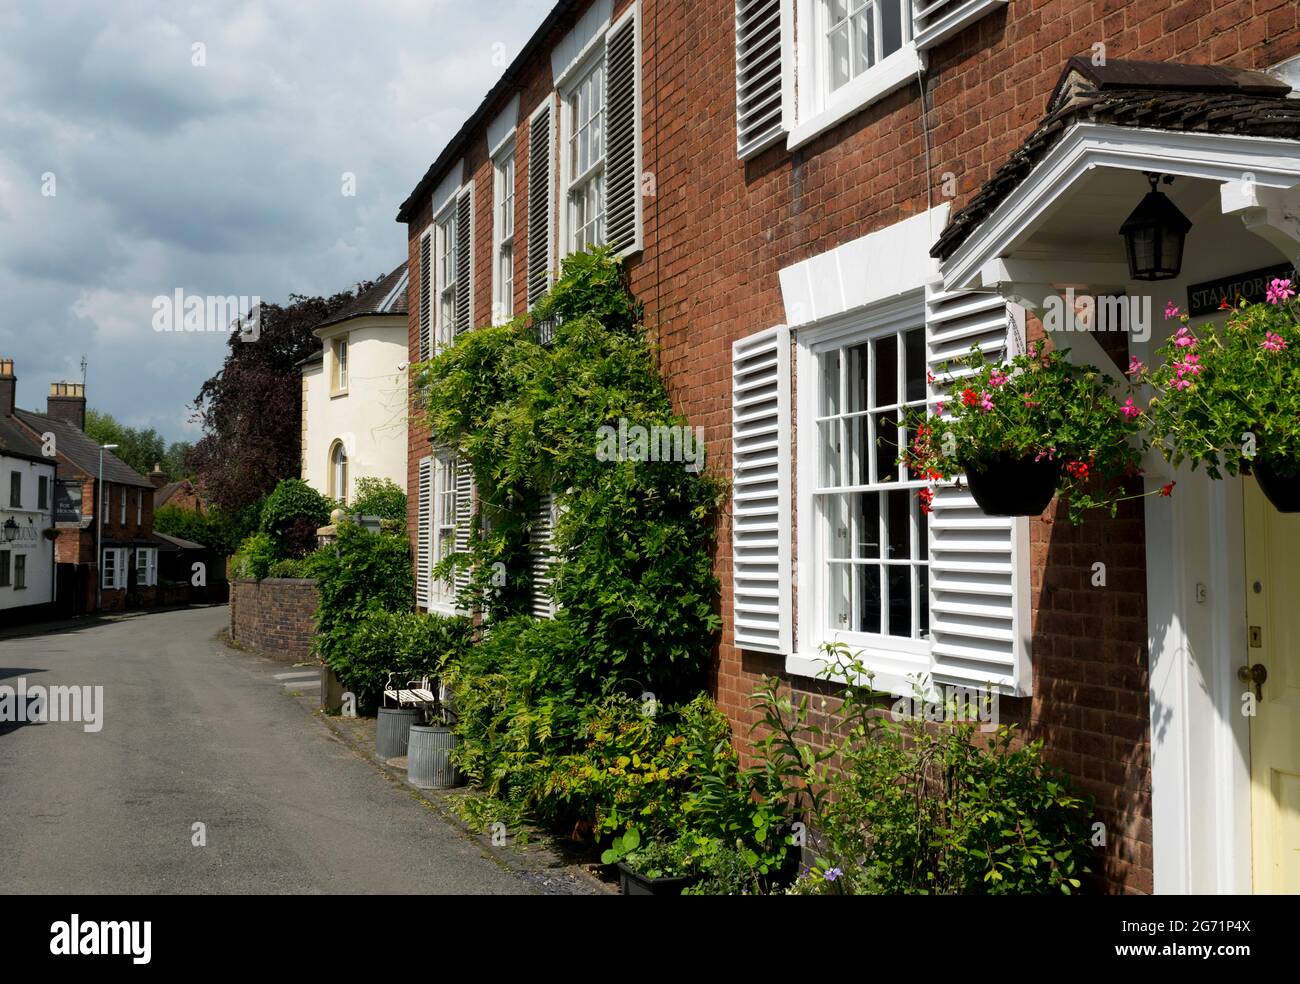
(864,45)
(861,456)
(839,9)
(831,452)
(923,600)
(899,523)
(886,370)
(837,596)
(837,524)
(867,522)
(891,26)
(922,530)
(830,401)
(914,364)
(887,446)
(868,598)
(839,56)
(900,600)
(859,362)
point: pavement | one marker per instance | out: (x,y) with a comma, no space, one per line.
(214,772)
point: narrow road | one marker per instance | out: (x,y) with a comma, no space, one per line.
(193,732)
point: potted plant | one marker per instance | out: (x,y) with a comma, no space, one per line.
(1228,397)
(654,867)
(1023,431)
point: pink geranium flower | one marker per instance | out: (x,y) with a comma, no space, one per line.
(1273,342)
(1135,368)
(1184,338)
(1129,410)
(1279,291)
(986,402)
(1171,311)
(997,378)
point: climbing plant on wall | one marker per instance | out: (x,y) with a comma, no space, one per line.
(634,538)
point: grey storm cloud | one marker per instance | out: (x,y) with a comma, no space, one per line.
(220,178)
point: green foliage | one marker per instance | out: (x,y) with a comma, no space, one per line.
(380,497)
(1037,405)
(1225,396)
(216,528)
(409,645)
(633,544)
(140,448)
(912,808)
(300,567)
(255,557)
(360,573)
(291,515)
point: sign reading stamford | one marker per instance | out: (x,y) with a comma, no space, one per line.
(1210,296)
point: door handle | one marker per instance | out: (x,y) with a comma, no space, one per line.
(1254,676)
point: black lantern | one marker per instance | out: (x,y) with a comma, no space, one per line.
(11,530)
(1153,236)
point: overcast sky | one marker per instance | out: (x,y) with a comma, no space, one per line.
(221,178)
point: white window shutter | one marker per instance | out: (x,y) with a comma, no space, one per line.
(935,21)
(539,205)
(465,261)
(979,565)
(424,533)
(541,540)
(623,137)
(759,122)
(464,518)
(426,293)
(760,466)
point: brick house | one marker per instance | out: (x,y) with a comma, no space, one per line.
(819,200)
(122,551)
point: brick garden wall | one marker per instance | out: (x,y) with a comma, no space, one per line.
(718,229)
(276,616)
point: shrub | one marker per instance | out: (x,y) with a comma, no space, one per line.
(409,645)
(255,557)
(291,515)
(216,529)
(379,497)
(359,573)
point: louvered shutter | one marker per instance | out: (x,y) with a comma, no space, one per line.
(464,518)
(426,294)
(539,205)
(760,470)
(979,565)
(934,21)
(758,75)
(424,533)
(541,539)
(622,135)
(465,262)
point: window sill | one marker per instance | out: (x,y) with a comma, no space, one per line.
(893,73)
(335,394)
(895,671)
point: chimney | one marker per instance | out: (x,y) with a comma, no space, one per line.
(67,402)
(157,477)
(8,387)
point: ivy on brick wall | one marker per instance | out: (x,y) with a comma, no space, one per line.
(634,538)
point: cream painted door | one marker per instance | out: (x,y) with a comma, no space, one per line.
(1273,610)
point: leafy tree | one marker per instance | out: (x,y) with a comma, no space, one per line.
(380,497)
(139,448)
(293,513)
(251,409)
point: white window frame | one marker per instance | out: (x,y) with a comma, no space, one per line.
(817,107)
(442,532)
(122,507)
(338,471)
(139,507)
(592,177)
(443,282)
(113,575)
(20,572)
(895,659)
(503,231)
(146,574)
(339,375)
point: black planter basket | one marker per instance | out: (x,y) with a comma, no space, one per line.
(1281,490)
(1010,486)
(633,883)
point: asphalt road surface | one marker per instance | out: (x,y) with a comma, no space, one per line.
(193,732)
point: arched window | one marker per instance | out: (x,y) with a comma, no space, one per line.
(339,472)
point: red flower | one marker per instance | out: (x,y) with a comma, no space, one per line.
(1168,490)
(1078,469)
(1225,306)
(969,397)
(926,496)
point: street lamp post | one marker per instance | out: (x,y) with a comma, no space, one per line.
(99,529)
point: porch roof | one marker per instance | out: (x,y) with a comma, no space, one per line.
(1148,95)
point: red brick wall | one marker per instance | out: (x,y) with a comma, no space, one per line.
(718,229)
(276,616)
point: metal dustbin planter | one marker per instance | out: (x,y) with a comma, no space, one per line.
(392,729)
(428,757)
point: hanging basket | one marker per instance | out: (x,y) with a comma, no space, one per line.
(1281,490)
(1011,486)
